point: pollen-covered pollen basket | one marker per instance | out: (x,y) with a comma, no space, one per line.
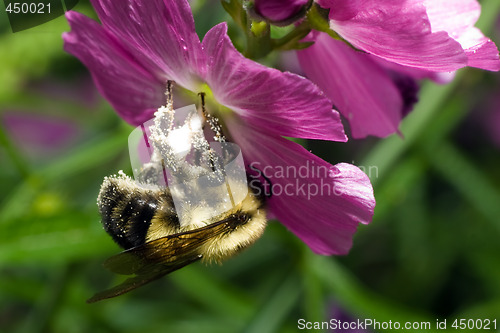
(205,178)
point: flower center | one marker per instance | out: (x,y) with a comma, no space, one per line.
(213,107)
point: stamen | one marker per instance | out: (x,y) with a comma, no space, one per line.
(168,93)
(213,122)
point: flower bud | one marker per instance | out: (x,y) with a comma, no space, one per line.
(281,12)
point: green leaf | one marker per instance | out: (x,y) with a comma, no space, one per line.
(200,286)
(276,309)
(467,179)
(360,301)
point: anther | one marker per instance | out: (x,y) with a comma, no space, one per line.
(213,122)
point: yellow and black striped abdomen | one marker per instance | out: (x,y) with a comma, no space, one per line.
(128,211)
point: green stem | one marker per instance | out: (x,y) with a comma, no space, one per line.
(296,34)
(258,42)
(13,153)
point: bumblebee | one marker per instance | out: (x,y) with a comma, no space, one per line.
(144,218)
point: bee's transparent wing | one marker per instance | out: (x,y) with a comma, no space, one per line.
(138,280)
(160,257)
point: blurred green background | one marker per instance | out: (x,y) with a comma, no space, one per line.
(431,252)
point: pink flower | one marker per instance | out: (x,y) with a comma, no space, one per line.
(345,322)
(39,137)
(435,35)
(142,44)
(372,97)
(406,38)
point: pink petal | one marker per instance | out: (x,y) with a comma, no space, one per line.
(452,16)
(134,93)
(282,103)
(159,33)
(416,73)
(395,30)
(357,86)
(480,50)
(457,17)
(323,209)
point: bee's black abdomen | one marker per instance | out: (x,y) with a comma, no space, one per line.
(126,212)
(138,212)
